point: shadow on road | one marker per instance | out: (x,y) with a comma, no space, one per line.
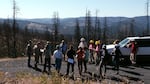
(128,67)
(131,72)
(36,69)
(144,65)
(131,78)
(146,68)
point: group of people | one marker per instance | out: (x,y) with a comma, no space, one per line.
(93,53)
(38,51)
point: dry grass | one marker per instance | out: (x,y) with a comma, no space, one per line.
(54,78)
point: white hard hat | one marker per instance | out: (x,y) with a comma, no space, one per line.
(82,39)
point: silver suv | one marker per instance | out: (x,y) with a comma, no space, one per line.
(143,52)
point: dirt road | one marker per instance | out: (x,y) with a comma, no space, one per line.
(130,74)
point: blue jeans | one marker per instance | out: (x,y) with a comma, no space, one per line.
(58,64)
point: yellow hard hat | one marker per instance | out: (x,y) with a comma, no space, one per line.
(91,41)
(96,42)
(99,41)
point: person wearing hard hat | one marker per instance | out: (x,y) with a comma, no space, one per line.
(91,50)
(82,43)
(91,44)
(97,52)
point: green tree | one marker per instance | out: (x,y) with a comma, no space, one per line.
(95,28)
(88,26)
(131,32)
(99,29)
(7,35)
(1,28)
(105,29)
(15,11)
(26,34)
(56,26)
(119,33)
(77,34)
(147,17)
(47,34)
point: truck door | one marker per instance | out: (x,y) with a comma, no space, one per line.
(125,51)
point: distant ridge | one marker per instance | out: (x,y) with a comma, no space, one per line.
(67,24)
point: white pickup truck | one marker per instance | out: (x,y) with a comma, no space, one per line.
(143,52)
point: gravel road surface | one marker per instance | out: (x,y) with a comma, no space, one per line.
(131,74)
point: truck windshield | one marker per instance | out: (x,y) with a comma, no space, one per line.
(124,42)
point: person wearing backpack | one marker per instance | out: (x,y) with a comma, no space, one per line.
(91,51)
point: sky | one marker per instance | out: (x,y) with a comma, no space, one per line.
(30,9)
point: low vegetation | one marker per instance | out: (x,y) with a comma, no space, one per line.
(54,78)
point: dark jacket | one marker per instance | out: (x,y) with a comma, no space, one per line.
(71,53)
